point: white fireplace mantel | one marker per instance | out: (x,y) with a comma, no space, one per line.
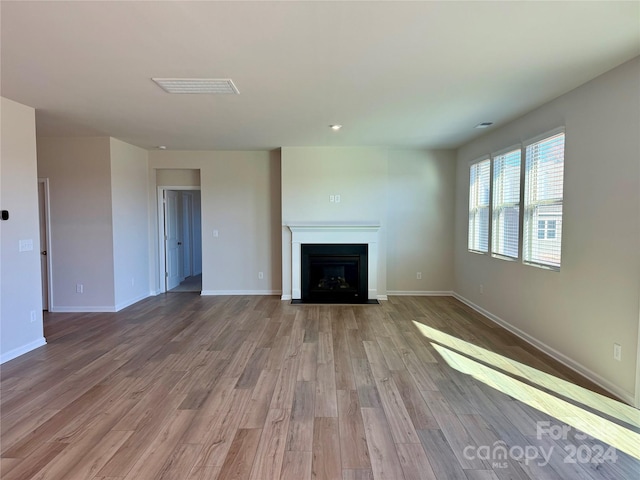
(335,232)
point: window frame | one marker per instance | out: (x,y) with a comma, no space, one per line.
(518,204)
(527,216)
(477,161)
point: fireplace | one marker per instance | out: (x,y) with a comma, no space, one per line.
(334,233)
(334,273)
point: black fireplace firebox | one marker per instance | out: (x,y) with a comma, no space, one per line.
(334,273)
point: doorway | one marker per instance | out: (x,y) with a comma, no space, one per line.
(180,239)
(45,241)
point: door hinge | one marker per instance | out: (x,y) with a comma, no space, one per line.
(166,274)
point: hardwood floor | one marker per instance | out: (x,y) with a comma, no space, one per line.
(184,387)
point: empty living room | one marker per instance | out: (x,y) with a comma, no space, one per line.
(329,240)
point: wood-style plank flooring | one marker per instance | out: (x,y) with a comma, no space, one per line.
(184,387)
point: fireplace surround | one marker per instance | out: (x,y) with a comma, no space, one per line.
(334,233)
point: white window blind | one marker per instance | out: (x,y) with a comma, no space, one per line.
(544,176)
(506,204)
(479,184)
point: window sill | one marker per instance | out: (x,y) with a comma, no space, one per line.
(504,257)
(541,266)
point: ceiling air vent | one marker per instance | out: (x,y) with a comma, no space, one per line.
(197,85)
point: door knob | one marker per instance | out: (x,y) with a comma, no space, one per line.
(44,252)
(179,243)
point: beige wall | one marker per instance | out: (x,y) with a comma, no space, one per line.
(79,172)
(420,212)
(409,193)
(240,198)
(129,206)
(311,174)
(593,301)
(178,177)
(20,293)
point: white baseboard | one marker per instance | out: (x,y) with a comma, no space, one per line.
(87,309)
(420,293)
(16,352)
(556,355)
(382,298)
(240,292)
(98,309)
(128,303)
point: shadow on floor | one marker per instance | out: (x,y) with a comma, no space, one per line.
(189,284)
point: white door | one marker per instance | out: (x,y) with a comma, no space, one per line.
(44,235)
(172,238)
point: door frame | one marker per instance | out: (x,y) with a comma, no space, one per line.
(637,396)
(187,233)
(47,227)
(162,253)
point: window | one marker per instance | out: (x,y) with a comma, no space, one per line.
(506,204)
(546,229)
(479,184)
(544,174)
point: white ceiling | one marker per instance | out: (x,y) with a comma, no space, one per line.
(402,74)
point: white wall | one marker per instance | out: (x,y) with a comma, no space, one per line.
(20,293)
(79,172)
(240,197)
(409,192)
(129,194)
(593,301)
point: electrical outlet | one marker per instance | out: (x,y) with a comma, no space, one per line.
(260,275)
(617,352)
(215,233)
(337,198)
(418,275)
(481,289)
(33,316)
(79,288)
(332,198)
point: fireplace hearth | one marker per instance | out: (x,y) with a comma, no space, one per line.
(334,273)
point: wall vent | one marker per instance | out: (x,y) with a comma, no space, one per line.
(215,86)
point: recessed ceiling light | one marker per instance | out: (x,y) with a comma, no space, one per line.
(484,125)
(197,85)
(162,147)
(335,128)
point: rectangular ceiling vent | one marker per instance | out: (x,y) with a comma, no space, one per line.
(214,86)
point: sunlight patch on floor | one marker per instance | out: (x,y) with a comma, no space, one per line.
(597,427)
(606,405)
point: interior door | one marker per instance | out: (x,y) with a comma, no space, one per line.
(44,264)
(172,238)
